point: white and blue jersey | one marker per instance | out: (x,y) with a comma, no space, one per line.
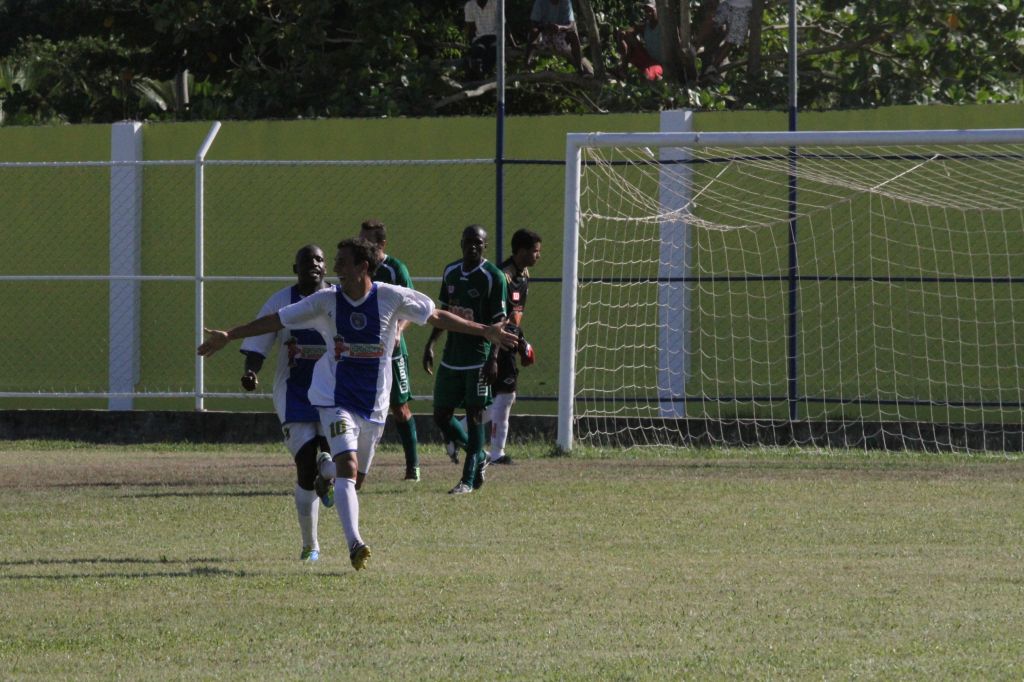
(355,372)
(300,348)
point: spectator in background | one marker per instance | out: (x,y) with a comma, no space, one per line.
(553,22)
(482,35)
(640,45)
(724,27)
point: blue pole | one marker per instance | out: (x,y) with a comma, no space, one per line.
(794,269)
(499,141)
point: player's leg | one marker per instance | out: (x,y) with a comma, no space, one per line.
(449,394)
(301,439)
(405,424)
(342,431)
(477,397)
(475,430)
(401,394)
(499,410)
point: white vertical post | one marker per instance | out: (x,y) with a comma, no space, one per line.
(200,387)
(570,253)
(125,260)
(675,255)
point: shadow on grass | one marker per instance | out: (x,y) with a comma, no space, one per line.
(204,569)
(106,560)
(224,493)
(197,572)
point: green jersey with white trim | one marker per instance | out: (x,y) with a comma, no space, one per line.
(479,296)
(393,271)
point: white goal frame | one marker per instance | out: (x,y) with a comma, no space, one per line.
(575,142)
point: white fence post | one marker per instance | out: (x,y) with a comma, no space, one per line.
(200,386)
(570,260)
(125,260)
(676,244)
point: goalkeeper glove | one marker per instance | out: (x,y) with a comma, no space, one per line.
(527,354)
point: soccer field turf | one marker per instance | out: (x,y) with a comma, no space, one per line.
(182,562)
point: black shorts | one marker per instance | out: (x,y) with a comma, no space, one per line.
(508,373)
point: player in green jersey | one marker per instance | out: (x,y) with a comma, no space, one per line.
(394,271)
(475,289)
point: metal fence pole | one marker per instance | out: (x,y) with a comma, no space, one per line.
(200,387)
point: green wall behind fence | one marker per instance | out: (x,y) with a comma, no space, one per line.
(56,222)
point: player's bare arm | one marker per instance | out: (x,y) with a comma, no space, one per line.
(402,326)
(428,350)
(495,333)
(218,338)
(253,365)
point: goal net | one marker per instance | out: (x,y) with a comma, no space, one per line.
(860,289)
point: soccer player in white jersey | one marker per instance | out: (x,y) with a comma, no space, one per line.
(352,381)
(298,351)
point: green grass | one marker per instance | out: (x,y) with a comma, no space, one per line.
(181,562)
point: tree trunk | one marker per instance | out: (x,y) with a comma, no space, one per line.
(593,36)
(671,47)
(687,51)
(754,46)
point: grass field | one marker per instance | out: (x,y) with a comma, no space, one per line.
(181,562)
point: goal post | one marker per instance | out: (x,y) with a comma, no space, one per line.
(882,307)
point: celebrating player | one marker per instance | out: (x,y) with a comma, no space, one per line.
(475,289)
(298,351)
(352,381)
(393,271)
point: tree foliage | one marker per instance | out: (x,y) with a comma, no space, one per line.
(93,61)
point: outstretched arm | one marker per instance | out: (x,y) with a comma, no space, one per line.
(495,333)
(217,338)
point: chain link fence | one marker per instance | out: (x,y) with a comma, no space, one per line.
(111,269)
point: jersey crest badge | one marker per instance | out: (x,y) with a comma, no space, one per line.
(358,321)
(473,293)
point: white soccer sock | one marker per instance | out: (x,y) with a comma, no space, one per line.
(500,410)
(308,509)
(346,501)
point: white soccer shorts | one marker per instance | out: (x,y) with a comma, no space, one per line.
(347,432)
(297,434)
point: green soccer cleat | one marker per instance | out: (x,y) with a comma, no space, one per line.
(359,555)
(309,555)
(412,474)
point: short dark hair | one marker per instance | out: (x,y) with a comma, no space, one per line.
(308,248)
(377,229)
(476,229)
(524,239)
(363,251)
